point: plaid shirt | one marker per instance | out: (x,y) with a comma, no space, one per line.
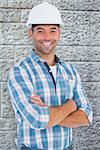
(32,75)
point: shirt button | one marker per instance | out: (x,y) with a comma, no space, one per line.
(50,71)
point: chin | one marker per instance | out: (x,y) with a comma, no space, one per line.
(45,51)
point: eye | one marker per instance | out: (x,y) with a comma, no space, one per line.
(39,31)
(53,30)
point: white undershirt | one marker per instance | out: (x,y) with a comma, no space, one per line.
(53,69)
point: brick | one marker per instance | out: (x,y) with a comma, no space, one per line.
(8,124)
(49,1)
(10,3)
(7,140)
(97,109)
(92,89)
(22,51)
(1,34)
(24,15)
(3,3)
(78,53)
(76,30)
(89,71)
(75,53)
(72,18)
(6,106)
(93,93)
(90,148)
(83,4)
(75,36)
(15,34)
(65,5)
(88,136)
(6,52)
(94,53)
(5,65)
(95,28)
(13,3)
(10,15)
(95,5)
(29,3)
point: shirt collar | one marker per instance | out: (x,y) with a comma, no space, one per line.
(37,58)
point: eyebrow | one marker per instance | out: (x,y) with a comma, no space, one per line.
(54,28)
(39,28)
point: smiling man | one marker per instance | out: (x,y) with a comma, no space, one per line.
(46,93)
(45,38)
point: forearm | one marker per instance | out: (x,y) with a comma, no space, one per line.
(76,119)
(57,114)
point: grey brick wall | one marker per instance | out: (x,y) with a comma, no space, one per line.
(79,43)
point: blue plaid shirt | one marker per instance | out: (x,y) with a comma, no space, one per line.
(31,75)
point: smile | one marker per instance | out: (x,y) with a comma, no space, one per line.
(47,43)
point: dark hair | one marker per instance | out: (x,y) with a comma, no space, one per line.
(34,25)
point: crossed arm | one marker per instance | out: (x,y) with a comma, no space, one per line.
(65,115)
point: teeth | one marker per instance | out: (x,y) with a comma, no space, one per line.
(47,43)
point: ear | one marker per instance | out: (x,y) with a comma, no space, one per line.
(30,33)
(59,29)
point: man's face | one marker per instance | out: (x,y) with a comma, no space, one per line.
(45,38)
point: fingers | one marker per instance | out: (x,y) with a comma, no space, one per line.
(37,100)
(36,97)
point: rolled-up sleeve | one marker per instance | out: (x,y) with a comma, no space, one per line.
(21,88)
(80,97)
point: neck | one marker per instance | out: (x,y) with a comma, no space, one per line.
(49,58)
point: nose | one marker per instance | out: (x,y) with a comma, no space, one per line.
(46,35)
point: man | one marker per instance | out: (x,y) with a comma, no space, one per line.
(46,93)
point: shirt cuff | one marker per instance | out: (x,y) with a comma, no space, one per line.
(89,114)
(44,115)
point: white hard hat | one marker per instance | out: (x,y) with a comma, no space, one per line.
(44,13)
